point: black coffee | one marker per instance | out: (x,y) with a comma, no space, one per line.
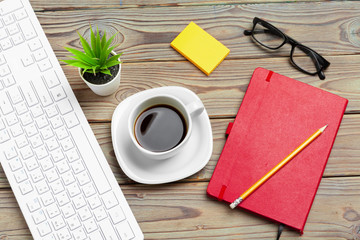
(160,128)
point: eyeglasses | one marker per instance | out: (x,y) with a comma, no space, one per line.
(303,58)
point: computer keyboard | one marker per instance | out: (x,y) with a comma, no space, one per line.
(56,169)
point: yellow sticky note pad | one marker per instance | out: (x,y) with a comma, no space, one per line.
(200,48)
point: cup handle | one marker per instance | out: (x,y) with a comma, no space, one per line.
(195,108)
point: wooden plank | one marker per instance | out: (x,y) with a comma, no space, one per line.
(40,5)
(183,211)
(343,161)
(331,28)
(223,91)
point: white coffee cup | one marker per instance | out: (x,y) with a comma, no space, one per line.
(188,111)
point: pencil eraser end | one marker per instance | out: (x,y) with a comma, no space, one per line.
(200,48)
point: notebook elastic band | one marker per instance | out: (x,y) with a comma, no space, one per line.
(222,191)
(269,76)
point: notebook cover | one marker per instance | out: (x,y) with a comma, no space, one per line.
(276,115)
(200,48)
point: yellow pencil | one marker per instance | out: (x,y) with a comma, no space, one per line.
(277,168)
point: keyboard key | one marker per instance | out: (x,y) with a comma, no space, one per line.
(68,178)
(90,225)
(73,189)
(30,130)
(61,133)
(52,143)
(57,155)
(42,92)
(41,121)
(42,187)
(27,60)
(72,155)
(67,210)
(52,210)
(79,201)
(14,92)
(5,44)
(33,204)
(21,141)
(64,234)
(108,230)
(37,111)
(20,14)
(51,111)
(52,175)
(79,234)
(5,104)
(13,28)
(62,198)
(3,33)
(56,122)
(26,152)
(58,93)
(15,164)
(27,29)
(2,58)
(34,44)
(100,213)
(17,39)
(39,216)
(117,214)
(88,190)
(46,132)
(73,222)
(25,187)
(96,235)
(21,108)
(16,130)
(71,120)
(47,198)
(26,118)
(64,106)
(58,222)
(84,213)
(8,8)
(124,230)
(20,175)
(4,136)
(36,141)
(40,54)
(11,119)
(62,166)
(46,163)
(44,229)
(110,200)
(2,125)
(57,187)
(44,65)
(83,178)
(10,152)
(41,152)
(36,176)
(28,93)
(51,79)
(8,19)
(31,164)
(9,81)
(66,144)
(94,201)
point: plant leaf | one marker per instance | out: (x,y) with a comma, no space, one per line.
(86,46)
(98,43)
(112,63)
(113,58)
(103,40)
(82,56)
(76,63)
(93,42)
(106,71)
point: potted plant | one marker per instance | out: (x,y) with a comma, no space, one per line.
(99,66)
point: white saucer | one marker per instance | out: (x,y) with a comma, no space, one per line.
(195,155)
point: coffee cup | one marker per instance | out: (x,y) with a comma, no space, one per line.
(159,126)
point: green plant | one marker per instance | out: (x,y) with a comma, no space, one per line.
(96,56)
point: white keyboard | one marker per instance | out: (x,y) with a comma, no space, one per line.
(56,169)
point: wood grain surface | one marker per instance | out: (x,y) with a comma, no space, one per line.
(182,210)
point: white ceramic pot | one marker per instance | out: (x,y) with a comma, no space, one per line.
(107,88)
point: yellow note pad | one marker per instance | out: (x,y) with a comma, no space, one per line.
(200,48)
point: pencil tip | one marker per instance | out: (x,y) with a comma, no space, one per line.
(323,128)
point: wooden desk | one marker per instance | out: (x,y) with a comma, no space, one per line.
(181,210)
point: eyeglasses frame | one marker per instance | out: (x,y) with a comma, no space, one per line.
(320,62)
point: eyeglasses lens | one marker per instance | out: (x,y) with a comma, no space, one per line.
(265,36)
(304,59)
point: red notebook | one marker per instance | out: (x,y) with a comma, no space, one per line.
(276,115)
